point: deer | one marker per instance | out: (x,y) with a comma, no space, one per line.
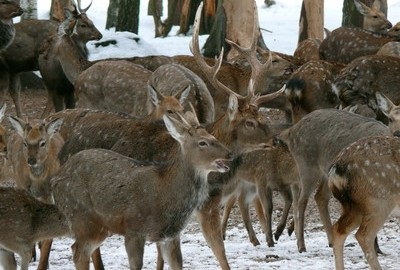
(155,209)
(345,44)
(358,82)
(74,32)
(8,11)
(364,179)
(391,48)
(33,220)
(314,142)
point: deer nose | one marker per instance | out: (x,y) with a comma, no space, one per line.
(396,133)
(31,161)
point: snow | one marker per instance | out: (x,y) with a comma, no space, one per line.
(282,20)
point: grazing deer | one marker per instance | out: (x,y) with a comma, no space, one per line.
(364,179)
(32,221)
(8,10)
(345,44)
(314,142)
(66,48)
(155,209)
(363,77)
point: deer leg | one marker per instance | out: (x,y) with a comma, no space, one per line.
(69,100)
(260,213)
(171,251)
(348,221)
(45,248)
(244,210)
(265,195)
(26,255)
(160,259)
(287,196)
(295,196)
(227,210)
(209,219)
(15,92)
(322,199)
(81,254)
(366,234)
(134,246)
(96,259)
(7,259)
(49,105)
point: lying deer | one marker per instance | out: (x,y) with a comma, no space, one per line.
(33,221)
(139,210)
(364,179)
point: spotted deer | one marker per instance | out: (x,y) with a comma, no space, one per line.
(364,179)
(33,221)
(154,209)
(345,44)
(314,142)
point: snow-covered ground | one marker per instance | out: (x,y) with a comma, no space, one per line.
(282,20)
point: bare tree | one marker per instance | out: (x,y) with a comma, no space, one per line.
(311,24)
(30,9)
(123,15)
(57,9)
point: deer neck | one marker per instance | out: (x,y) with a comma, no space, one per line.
(7,33)
(49,222)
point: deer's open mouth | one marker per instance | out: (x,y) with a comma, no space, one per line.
(222,165)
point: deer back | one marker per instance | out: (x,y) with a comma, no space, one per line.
(173,79)
(117,86)
(391,48)
(33,150)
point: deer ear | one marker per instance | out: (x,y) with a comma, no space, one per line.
(363,9)
(18,125)
(2,112)
(175,128)
(54,126)
(233,107)
(154,95)
(184,95)
(384,104)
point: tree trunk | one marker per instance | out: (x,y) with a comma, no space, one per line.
(311,24)
(216,39)
(155,9)
(30,9)
(123,15)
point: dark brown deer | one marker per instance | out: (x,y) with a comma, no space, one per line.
(58,77)
(314,142)
(32,220)
(364,179)
(155,209)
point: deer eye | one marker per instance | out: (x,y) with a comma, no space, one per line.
(42,143)
(25,144)
(203,143)
(375,17)
(170,111)
(250,124)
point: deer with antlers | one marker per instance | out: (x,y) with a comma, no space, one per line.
(74,32)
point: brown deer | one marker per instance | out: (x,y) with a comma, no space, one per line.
(391,48)
(33,221)
(363,77)
(32,151)
(155,209)
(364,179)
(74,32)
(314,142)
(345,44)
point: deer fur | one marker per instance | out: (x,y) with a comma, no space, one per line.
(8,11)
(129,209)
(364,179)
(32,221)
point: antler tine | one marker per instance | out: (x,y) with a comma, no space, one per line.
(210,71)
(83,10)
(258,69)
(264,98)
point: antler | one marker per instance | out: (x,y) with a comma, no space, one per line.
(83,10)
(258,69)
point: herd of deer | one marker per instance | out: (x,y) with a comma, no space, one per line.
(137,145)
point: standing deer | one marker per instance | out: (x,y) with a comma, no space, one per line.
(54,61)
(364,179)
(142,201)
(32,151)
(314,142)
(29,220)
